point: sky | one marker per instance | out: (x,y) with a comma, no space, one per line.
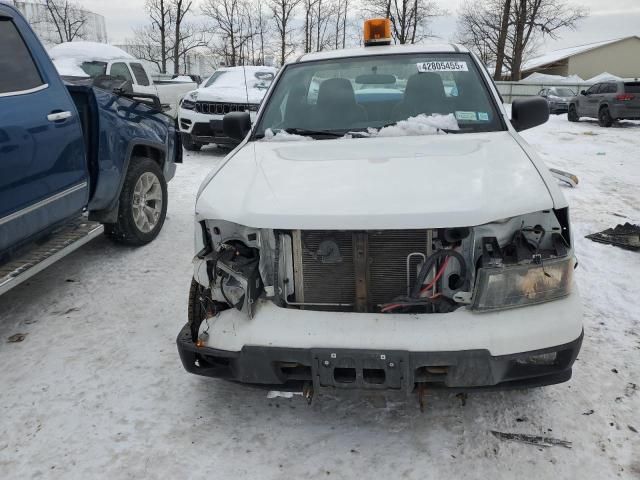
(608,19)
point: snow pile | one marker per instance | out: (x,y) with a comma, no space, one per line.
(418,125)
(282,136)
(551,79)
(604,77)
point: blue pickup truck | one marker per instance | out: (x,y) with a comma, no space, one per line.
(75,159)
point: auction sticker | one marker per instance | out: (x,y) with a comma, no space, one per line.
(468,116)
(442,66)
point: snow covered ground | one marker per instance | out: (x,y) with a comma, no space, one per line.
(96,389)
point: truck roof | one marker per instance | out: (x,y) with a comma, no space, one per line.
(382,50)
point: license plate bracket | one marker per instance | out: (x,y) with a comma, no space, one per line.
(359,369)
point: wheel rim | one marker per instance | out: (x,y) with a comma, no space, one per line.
(147,202)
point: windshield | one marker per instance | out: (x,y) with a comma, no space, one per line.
(212,79)
(358,94)
(562,92)
(94,69)
(260,79)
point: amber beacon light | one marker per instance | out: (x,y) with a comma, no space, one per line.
(377,31)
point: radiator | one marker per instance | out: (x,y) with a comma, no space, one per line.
(356,270)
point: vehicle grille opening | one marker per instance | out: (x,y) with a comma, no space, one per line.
(344,375)
(375,376)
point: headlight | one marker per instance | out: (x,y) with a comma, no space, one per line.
(519,285)
(188,104)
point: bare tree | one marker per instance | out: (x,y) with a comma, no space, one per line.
(68,19)
(228,18)
(282,14)
(157,36)
(146,45)
(538,17)
(409,18)
(506,32)
(186,37)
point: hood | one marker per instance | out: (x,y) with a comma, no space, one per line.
(375,183)
(235,94)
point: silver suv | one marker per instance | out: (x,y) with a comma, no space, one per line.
(607,102)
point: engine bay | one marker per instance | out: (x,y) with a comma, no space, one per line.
(503,264)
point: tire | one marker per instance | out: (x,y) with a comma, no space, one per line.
(604,117)
(189,144)
(572,115)
(195,311)
(140,218)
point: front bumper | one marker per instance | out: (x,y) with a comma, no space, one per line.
(203,128)
(462,370)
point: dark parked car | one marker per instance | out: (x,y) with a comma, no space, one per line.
(608,102)
(558,98)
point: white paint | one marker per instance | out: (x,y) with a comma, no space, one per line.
(362,183)
(509,331)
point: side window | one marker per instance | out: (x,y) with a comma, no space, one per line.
(611,88)
(19,72)
(121,70)
(593,89)
(140,74)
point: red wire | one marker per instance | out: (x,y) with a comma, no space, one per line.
(427,287)
(430,285)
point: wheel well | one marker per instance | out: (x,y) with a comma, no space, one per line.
(149,152)
(603,105)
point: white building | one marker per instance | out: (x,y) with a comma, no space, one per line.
(94,28)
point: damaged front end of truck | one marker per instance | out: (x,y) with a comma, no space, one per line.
(394,278)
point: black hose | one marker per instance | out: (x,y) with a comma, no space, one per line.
(430,263)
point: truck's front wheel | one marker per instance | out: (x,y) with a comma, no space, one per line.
(143,204)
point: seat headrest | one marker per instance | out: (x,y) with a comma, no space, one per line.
(336,91)
(423,86)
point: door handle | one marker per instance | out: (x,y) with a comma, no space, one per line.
(57,116)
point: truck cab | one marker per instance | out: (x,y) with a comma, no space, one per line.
(74,159)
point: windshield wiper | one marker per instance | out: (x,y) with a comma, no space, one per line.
(309,133)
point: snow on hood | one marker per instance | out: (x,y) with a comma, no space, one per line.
(231,86)
(68,57)
(282,136)
(375,183)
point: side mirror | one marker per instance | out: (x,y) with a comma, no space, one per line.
(236,125)
(583,92)
(529,112)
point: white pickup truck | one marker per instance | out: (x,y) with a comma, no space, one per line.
(91,59)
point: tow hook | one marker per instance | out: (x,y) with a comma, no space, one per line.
(307,392)
(422,391)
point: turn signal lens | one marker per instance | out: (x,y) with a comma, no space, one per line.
(377,31)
